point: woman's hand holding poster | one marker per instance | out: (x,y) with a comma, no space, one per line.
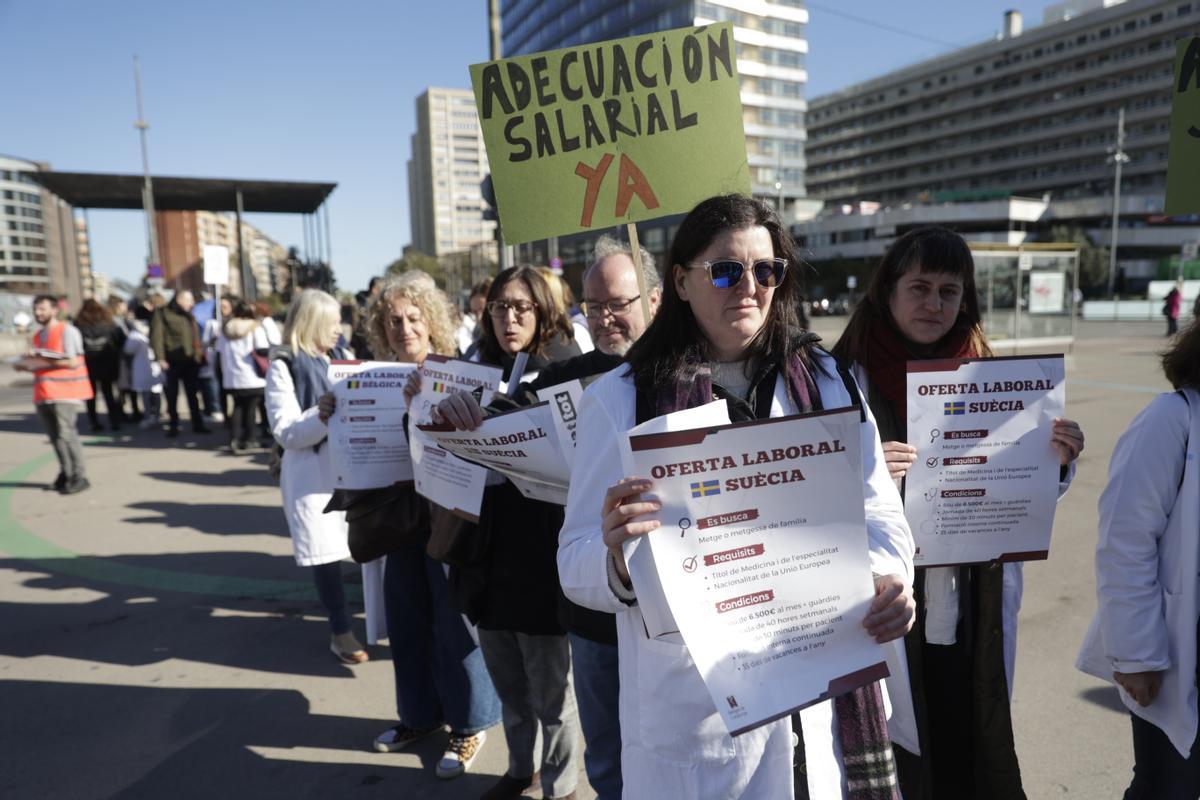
(985,482)
(367,445)
(763,559)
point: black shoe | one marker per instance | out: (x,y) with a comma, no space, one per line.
(59,482)
(75,486)
(172,432)
(201,429)
(510,788)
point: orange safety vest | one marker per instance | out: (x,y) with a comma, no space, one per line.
(59,384)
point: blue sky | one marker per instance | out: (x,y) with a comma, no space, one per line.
(307,90)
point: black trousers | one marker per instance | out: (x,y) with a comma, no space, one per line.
(187,373)
(241,422)
(115,414)
(1159,772)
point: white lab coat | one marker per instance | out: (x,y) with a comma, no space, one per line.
(306,478)
(672,738)
(1147,559)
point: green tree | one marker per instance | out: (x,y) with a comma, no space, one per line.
(1093,260)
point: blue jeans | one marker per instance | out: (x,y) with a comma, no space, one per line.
(597,690)
(210,394)
(331,591)
(439,670)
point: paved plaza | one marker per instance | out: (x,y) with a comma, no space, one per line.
(157,639)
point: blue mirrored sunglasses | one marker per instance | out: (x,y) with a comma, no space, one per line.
(727,272)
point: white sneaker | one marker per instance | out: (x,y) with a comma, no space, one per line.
(401,736)
(460,754)
(216,416)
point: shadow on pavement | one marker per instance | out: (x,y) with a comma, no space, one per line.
(138,742)
(218,518)
(136,625)
(255,476)
(1105,697)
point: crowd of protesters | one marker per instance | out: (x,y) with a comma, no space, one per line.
(528,617)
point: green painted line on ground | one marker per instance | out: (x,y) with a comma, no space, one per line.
(20,543)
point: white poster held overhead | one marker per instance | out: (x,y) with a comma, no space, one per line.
(1047,292)
(216,264)
(367,445)
(522,445)
(437,474)
(764,559)
(985,483)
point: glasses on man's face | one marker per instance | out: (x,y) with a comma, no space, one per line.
(726,273)
(595,309)
(500,308)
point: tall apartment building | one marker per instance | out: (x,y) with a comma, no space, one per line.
(182,236)
(40,237)
(1031,114)
(448,162)
(771,49)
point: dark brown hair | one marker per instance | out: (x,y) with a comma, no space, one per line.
(930,249)
(1181,363)
(92,313)
(673,340)
(551,322)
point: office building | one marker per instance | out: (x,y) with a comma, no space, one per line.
(448,162)
(183,235)
(40,237)
(771,49)
(1030,114)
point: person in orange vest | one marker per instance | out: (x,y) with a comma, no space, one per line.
(60,386)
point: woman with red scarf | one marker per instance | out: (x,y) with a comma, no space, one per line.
(921,303)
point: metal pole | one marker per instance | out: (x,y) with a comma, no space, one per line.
(328,245)
(318,244)
(147,186)
(1118,158)
(249,290)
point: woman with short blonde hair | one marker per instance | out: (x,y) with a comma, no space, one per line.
(296,380)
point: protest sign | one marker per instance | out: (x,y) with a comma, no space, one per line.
(1183,151)
(564,403)
(522,445)
(764,560)
(438,475)
(612,132)
(367,445)
(985,482)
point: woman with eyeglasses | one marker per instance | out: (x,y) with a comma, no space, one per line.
(511,593)
(921,303)
(727,328)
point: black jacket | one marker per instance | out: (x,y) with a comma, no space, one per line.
(597,626)
(514,586)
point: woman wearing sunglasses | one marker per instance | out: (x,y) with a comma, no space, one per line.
(727,328)
(511,592)
(921,303)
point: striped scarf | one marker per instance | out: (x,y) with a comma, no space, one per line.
(861,721)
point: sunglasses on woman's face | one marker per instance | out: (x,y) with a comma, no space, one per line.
(726,273)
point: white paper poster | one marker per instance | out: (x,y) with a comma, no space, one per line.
(564,402)
(985,483)
(437,474)
(1047,292)
(216,264)
(763,558)
(522,445)
(367,445)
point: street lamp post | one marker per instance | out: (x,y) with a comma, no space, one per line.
(147,186)
(1118,158)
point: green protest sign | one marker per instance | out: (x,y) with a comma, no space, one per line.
(1183,155)
(612,132)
